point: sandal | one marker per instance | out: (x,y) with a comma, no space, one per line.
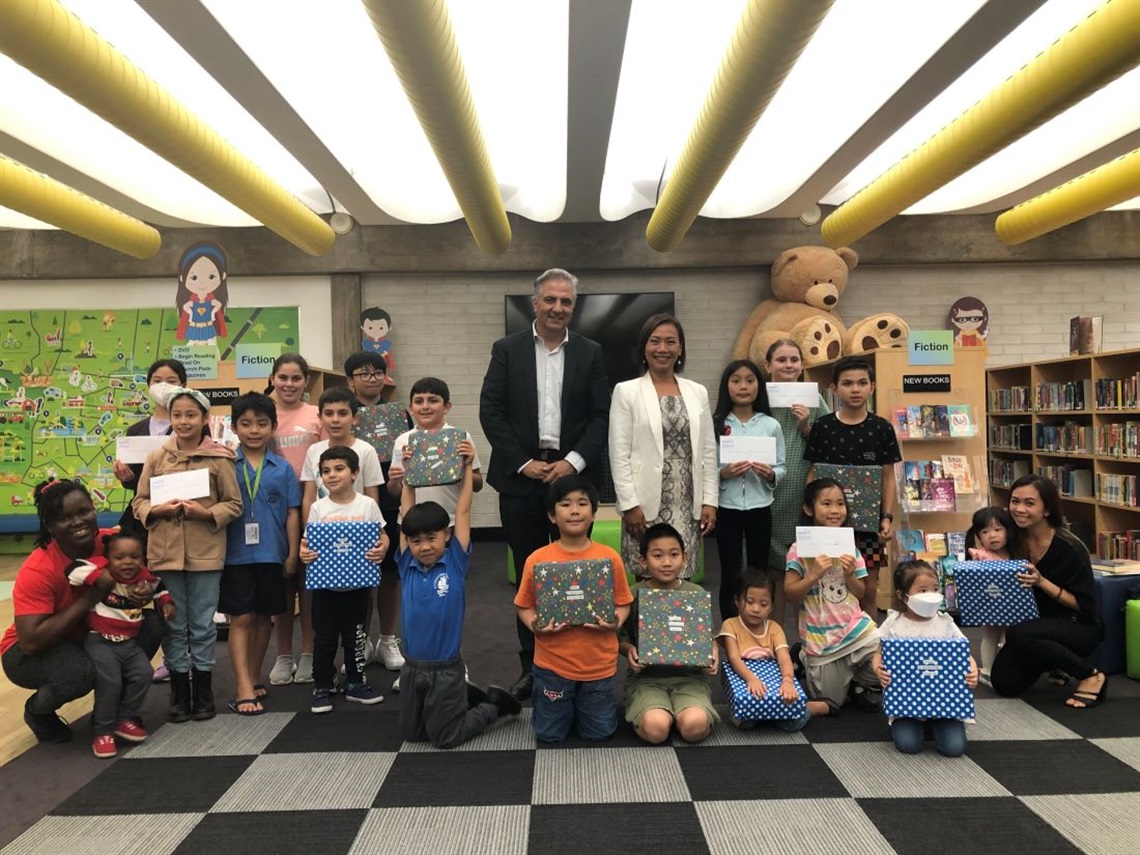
(1087,700)
(261,691)
(236,706)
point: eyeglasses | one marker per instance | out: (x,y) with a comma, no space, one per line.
(976,319)
(368,375)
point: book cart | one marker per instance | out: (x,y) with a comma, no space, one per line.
(948,512)
(1075,420)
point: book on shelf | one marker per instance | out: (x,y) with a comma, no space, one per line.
(1117,489)
(1116,567)
(935,542)
(1067,438)
(956,543)
(1118,545)
(956,466)
(911,541)
(960,422)
(1017,437)
(1015,399)
(1073,483)
(1004,472)
(901,423)
(1122,394)
(925,487)
(1085,335)
(1059,397)
(1118,439)
(932,421)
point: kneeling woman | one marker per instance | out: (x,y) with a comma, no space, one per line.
(1060,573)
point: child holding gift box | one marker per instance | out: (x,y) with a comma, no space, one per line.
(338,615)
(991,538)
(437,704)
(656,696)
(916,590)
(839,638)
(753,635)
(574,666)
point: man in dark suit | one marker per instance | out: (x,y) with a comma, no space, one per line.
(544,408)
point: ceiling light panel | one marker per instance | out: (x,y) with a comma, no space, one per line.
(10,219)
(44,118)
(1035,34)
(332,69)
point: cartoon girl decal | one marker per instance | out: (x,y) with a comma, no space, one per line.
(202,294)
(970,319)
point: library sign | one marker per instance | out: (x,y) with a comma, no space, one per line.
(930,347)
(926,383)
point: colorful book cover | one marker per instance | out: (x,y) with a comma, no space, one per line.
(960,424)
(911,541)
(340,548)
(747,707)
(942,494)
(957,466)
(379,426)
(956,544)
(902,427)
(936,543)
(941,420)
(915,420)
(929,423)
(928,678)
(574,592)
(863,488)
(431,458)
(674,628)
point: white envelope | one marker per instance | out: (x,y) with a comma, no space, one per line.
(786,394)
(815,540)
(134,449)
(194,484)
(761,449)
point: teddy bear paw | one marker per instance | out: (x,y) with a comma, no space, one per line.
(876,332)
(820,339)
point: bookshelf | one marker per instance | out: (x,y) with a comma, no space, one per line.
(1076,420)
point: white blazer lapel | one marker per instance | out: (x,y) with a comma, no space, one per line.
(652,405)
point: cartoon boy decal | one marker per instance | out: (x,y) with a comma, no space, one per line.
(970,319)
(202,294)
(376,324)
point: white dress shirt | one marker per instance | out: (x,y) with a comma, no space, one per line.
(549,369)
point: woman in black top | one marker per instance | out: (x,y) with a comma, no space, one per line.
(1060,573)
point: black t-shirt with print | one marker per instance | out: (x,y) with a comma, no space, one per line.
(872,442)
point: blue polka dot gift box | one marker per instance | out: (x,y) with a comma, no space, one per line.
(990,595)
(928,678)
(674,628)
(574,592)
(431,457)
(746,707)
(340,548)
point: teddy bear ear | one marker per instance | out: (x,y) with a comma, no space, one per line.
(783,260)
(850,257)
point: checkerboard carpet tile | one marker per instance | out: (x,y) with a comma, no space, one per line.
(1037,778)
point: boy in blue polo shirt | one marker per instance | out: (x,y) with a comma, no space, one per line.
(436,702)
(261,546)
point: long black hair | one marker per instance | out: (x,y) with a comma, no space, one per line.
(724,399)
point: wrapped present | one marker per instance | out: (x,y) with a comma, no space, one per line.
(432,459)
(746,707)
(928,678)
(674,628)
(379,426)
(574,592)
(863,488)
(990,595)
(340,548)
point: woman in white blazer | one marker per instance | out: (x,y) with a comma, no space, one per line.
(662,447)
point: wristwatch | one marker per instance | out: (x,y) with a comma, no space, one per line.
(886,516)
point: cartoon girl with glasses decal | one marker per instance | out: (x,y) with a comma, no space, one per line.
(969,318)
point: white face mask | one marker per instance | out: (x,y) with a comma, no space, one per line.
(925,604)
(160,393)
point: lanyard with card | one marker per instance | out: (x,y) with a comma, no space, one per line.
(252,529)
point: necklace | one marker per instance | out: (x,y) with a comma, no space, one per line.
(1034,558)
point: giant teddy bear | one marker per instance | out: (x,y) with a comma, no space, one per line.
(807,282)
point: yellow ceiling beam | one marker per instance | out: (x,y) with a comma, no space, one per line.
(54,44)
(1094,52)
(421,46)
(1115,182)
(768,40)
(29,192)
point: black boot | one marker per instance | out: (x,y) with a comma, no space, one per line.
(504,701)
(525,683)
(203,695)
(179,696)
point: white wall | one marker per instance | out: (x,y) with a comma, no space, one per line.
(311,294)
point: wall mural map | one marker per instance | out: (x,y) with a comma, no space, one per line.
(73,380)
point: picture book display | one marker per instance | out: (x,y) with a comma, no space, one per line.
(990,595)
(431,458)
(862,487)
(928,678)
(574,592)
(926,487)
(340,548)
(747,707)
(380,424)
(934,421)
(674,628)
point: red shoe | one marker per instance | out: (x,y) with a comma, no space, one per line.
(104,746)
(130,731)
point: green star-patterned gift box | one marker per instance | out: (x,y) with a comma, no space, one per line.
(674,628)
(574,592)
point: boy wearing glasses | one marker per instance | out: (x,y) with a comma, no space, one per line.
(367,373)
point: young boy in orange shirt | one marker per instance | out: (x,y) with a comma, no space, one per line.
(574,666)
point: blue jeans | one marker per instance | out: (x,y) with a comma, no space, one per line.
(192,632)
(949,735)
(589,707)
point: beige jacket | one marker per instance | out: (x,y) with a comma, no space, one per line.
(182,544)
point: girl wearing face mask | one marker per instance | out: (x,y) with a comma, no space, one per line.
(916,589)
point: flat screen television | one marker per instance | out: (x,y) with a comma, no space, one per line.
(612,320)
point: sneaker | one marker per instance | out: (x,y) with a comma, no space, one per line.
(130,731)
(396,685)
(47,727)
(388,652)
(161,674)
(984,678)
(104,746)
(362,693)
(282,673)
(304,672)
(322,701)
